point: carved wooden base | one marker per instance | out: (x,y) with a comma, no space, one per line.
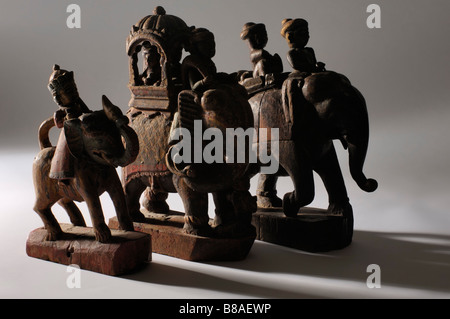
(126,251)
(168,238)
(313,230)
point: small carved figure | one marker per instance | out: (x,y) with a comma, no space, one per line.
(94,141)
(300,57)
(65,94)
(199,72)
(152,67)
(198,69)
(263,62)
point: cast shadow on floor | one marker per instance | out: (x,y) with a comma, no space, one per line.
(406,260)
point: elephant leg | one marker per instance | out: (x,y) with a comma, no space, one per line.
(234,213)
(90,194)
(224,212)
(266,192)
(133,191)
(330,172)
(52,226)
(117,195)
(155,201)
(76,218)
(297,164)
(234,210)
(101,230)
(196,218)
(244,203)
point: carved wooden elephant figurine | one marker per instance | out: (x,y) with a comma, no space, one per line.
(96,143)
(193,89)
(155,171)
(310,111)
(223,107)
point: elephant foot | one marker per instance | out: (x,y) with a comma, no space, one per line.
(79,222)
(102,233)
(137,216)
(155,202)
(54,231)
(126,225)
(53,235)
(158,207)
(290,206)
(269,201)
(203,231)
(339,209)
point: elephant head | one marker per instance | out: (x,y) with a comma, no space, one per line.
(218,109)
(102,136)
(342,112)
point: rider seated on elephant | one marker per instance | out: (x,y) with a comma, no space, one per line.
(301,58)
(263,62)
(303,61)
(198,69)
(199,73)
(65,94)
(152,72)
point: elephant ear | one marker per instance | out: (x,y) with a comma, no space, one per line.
(74,137)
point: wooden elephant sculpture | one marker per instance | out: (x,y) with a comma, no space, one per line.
(96,143)
(218,109)
(190,89)
(310,111)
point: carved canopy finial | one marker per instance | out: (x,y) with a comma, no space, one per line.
(159,11)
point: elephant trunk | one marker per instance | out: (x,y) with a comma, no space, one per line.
(131,142)
(357,155)
(357,141)
(129,136)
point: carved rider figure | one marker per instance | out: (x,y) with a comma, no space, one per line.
(303,61)
(300,57)
(263,62)
(65,94)
(198,69)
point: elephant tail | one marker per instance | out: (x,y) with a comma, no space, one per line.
(44,128)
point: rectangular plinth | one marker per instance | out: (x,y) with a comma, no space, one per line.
(168,238)
(313,230)
(125,252)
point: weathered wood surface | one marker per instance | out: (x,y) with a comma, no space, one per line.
(168,238)
(313,230)
(125,251)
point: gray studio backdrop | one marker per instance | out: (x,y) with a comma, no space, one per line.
(401,68)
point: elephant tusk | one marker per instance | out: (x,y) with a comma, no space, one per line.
(171,165)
